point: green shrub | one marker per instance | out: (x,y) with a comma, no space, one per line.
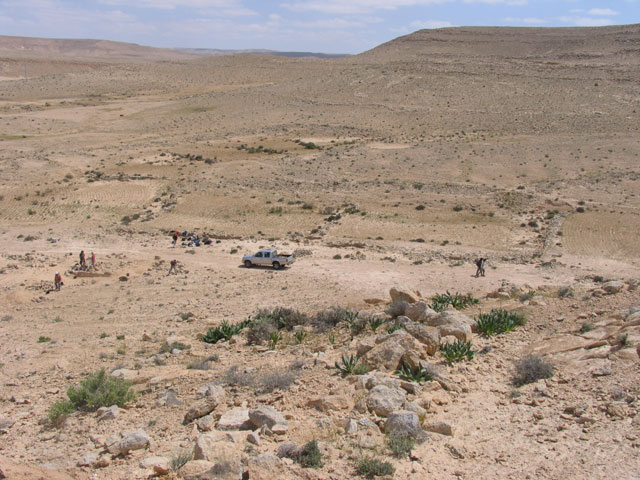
(42,339)
(349,365)
(375,322)
(531,369)
(400,445)
(180,460)
(458,301)
(310,455)
(97,390)
(370,467)
(100,390)
(394,326)
(410,374)
(498,321)
(224,331)
(457,351)
(586,327)
(59,410)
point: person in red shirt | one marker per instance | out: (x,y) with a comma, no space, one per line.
(93,259)
(174,267)
(57,280)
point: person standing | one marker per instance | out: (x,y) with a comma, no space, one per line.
(93,260)
(57,280)
(83,260)
(480,267)
(175,238)
(174,267)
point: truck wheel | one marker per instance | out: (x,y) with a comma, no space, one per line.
(248,264)
(276,265)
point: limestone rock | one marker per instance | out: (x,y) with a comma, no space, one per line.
(6,422)
(125,374)
(461,331)
(216,447)
(87,460)
(615,286)
(134,441)
(331,402)
(398,294)
(235,419)
(108,413)
(206,423)
(419,312)
(383,400)
(168,398)
(428,336)
(388,353)
(441,427)
(200,409)
(265,415)
(160,465)
(402,423)
(211,390)
(195,467)
(365,345)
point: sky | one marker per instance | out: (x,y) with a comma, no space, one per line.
(329,26)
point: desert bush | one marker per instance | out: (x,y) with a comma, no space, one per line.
(370,467)
(42,339)
(400,445)
(169,347)
(396,309)
(329,318)
(276,380)
(418,374)
(97,390)
(457,301)
(234,377)
(261,329)
(498,321)
(457,351)
(59,410)
(224,331)
(180,460)
(100,390)
(274,339)
(349,365)
(586,327)
(203,363)
(531,369)
(374,322)
(310,455)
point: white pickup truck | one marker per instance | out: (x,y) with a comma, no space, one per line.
(268,257)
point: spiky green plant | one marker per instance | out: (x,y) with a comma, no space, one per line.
(457,351)
(418,374)
(498,321)
(349,365)
(457,301)
(375,322)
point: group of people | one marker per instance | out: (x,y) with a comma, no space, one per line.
(190,239)
(83,260)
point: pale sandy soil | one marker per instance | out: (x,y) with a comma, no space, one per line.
(431,155)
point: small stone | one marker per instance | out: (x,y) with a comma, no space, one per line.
(6,423)
(134,441)
(280,429)
(160,465)
(200,409)
(441,427)
(602,371)
(87,460)
(168,398)
(102,462)
(254,437)
(402,423)
(235,419)
(265,415)
(108,413)
(351,427)
(206,423)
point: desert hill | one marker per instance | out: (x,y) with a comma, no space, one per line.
(386,174)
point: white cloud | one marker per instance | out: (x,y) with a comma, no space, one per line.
(579,21)
(341,7)
(602,11)
(525,21)
(420,24)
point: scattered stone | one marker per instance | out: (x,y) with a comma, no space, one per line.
(351,427)
(125,374)
(440,427)
(383,400)
(613,287)
(235,419)
(388,353)
(398,294)
(428,336)
(331,402)
(265,415)
(288,450)
(402,423)
(134,441)
(206,423)
(87,460)
(254,437)
(108,413)
(602,371)
(200,409)
(216,447)
(168,398)
(211,390)
(419,312)
(160,465)
(194,468)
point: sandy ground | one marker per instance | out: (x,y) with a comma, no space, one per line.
(397,167)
